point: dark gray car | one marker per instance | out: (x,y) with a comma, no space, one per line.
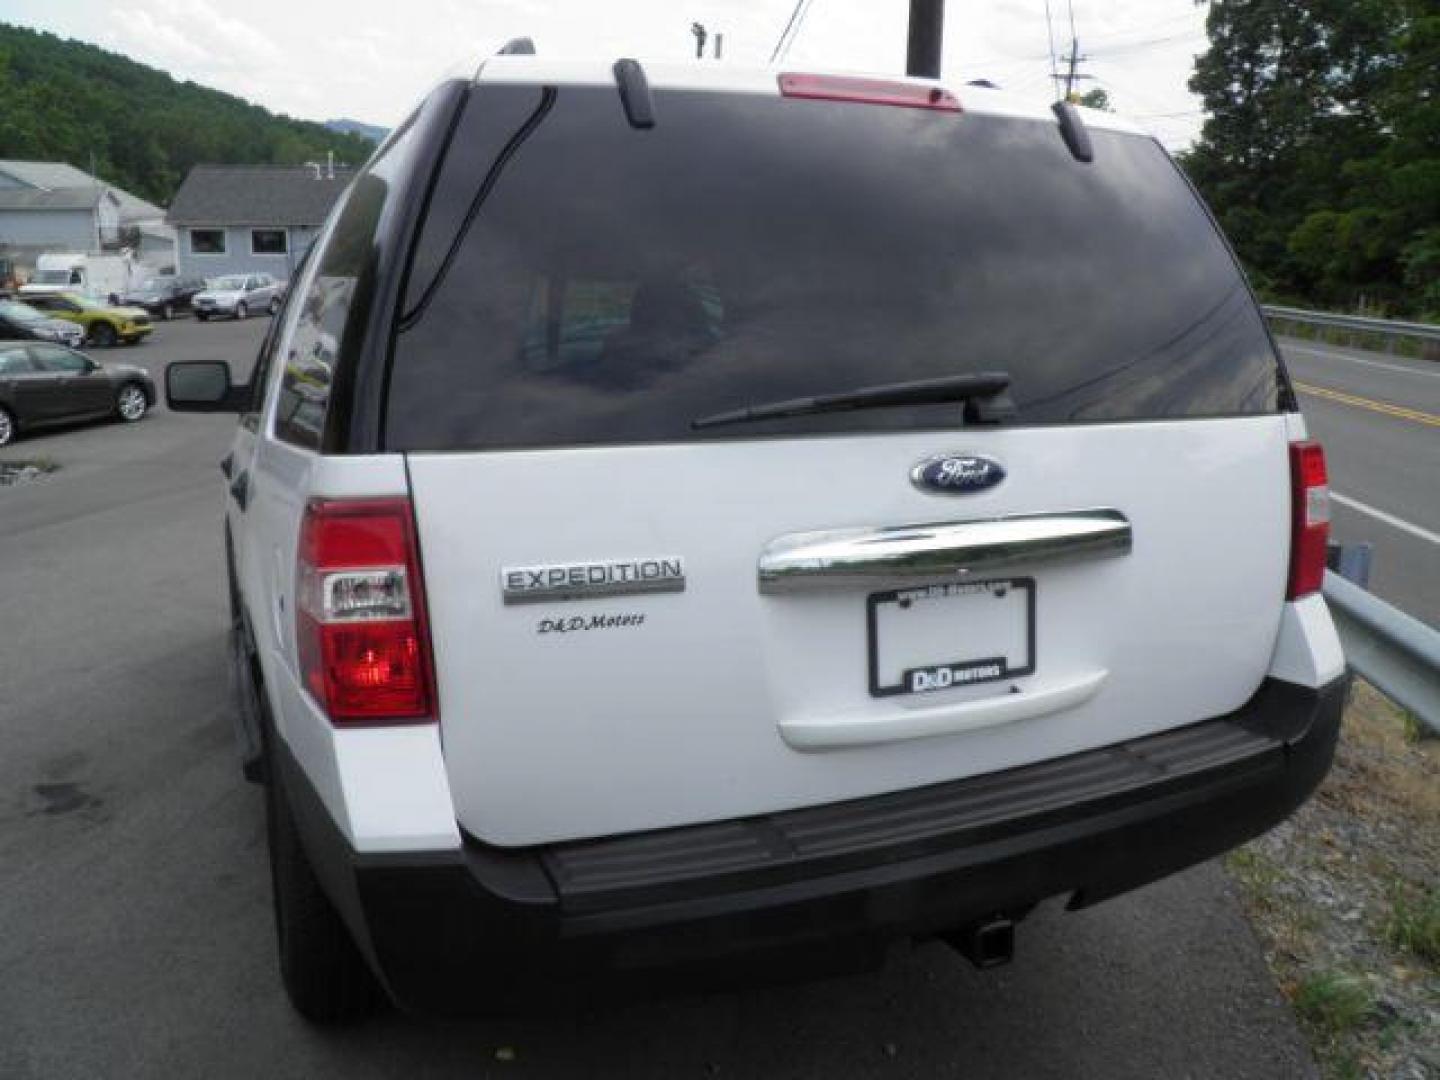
(44,384)
(163,296)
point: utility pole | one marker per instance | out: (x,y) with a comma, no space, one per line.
(719,46)
(927,34)
(1072,74)
(700,35)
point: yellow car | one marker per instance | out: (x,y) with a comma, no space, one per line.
(103,325)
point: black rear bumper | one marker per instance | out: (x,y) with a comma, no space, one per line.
(819,889)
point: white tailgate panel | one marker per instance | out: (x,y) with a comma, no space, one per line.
(681,718)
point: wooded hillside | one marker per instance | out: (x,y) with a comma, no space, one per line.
(64,101)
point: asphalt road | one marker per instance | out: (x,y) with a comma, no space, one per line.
(1379,419)
(134,900)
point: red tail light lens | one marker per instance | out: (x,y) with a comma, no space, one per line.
(869,91)
(363,642)
(1310,519)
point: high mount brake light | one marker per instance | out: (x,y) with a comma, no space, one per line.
(363,641)
(1310,519)
(869,91)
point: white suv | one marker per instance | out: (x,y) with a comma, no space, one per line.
(686,519)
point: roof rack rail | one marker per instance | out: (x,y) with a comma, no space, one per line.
(1074,131)
(635,93)
(520,46)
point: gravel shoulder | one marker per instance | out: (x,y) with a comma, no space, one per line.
(1345,897)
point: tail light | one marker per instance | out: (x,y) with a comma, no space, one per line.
(869,91)
(362,637)
(1310,519)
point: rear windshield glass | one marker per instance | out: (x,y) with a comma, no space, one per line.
(581,281)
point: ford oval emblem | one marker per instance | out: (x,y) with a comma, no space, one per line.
(957,474)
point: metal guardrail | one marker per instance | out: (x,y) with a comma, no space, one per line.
(1398,654)
(1392,330)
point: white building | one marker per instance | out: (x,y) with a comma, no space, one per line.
(52,207)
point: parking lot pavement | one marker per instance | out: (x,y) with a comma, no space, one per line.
(134,897)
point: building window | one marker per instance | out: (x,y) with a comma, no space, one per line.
(268,242)
(207,241)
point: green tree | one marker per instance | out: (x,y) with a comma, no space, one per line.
(1321,153)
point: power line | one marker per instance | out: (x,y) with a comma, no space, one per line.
(791,31)
(1146,43)
(799,25)
(1167,25)
(1050,32)
(1166,115)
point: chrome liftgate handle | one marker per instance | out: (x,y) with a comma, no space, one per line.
(799,561)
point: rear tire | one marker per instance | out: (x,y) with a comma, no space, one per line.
(7,428)
(324,974)
(131,403)
(274,307)
(241,311)
(202,316)
(103,335)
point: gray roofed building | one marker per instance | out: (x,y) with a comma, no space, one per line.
(47,174)
(252,218)
(51,207)
(19,198)
(257,195)
(68,187)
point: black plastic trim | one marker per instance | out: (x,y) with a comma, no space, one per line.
(520,46)
(872,643)
(548,97)
(818,889)
(355,420)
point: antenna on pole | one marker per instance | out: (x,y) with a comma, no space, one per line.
(698,29)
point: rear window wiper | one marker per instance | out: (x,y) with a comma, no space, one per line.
(983,393)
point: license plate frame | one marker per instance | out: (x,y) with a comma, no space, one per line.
(966,671)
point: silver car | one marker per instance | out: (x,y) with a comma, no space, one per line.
(19,320)
(237,296)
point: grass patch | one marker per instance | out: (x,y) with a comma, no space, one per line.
(1346,900)
(1410,726)
(1255,870)
(1332,1002)
(1413,926)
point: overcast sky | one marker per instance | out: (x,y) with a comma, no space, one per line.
(371,59)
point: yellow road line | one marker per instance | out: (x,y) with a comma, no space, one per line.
(1368,403)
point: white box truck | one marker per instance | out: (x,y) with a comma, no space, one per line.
(101,277)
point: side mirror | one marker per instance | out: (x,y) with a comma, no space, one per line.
(203,386)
